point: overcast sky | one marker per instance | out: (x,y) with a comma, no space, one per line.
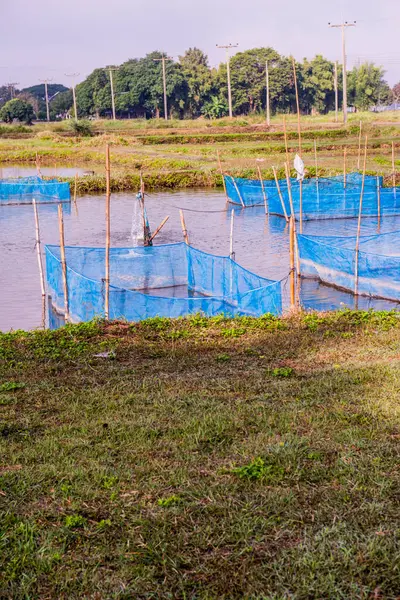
(46,38)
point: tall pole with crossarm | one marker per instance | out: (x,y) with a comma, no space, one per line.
(343,28)
(162,60)
(228,73)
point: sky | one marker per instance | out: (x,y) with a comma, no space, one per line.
(47,39)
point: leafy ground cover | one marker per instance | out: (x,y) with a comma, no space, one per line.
(202,458)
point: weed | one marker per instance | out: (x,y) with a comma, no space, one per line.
(170,501)
(74,521)
(282,372)
(11,386)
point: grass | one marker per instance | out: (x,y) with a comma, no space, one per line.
(201,464)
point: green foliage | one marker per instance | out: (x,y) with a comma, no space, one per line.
(259,470)
(367,87)
(82,127)
(74,521)
(170,501)
(282,372)
(11,386)
(215,108)
(17,110)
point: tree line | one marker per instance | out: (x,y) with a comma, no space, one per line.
(195,89)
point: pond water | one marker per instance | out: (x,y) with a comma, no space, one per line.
(261,243)
(13,171)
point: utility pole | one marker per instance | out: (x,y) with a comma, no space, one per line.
(11,87)
(228,72)
(343,28)
(336,93)
(267,92)
(45,81)
(162,60)
(73,75)
(110,70)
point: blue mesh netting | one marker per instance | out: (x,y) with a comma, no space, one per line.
(322,198)
(332,259)
(24,189)
(172,280)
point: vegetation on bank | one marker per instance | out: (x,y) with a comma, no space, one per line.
(202,458)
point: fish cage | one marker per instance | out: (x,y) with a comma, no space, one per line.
(25,189)
(373,270)
(322,198)
(171,280)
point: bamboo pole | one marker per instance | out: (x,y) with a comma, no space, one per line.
(222,175)
(316,159)
(63,262)
(231,251)
(393,167)
(297,104)
(359,220)
(75,186)
(55,169)
(238,192)
(38,248)
(293,215)
(378,193)
(278,187)
(161,225)
(263,190)
(286,140)
(108,237)
(344,167)
(146,227)
(184,230)
(359,148)
(301,205)
(292,267)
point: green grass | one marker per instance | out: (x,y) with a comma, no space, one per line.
(197,463)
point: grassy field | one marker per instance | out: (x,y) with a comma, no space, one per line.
(246,458)
(184,153)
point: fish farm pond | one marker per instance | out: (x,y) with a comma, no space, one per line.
(260,244)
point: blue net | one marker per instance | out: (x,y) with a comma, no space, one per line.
(172,280)
(322,198)
(332,259)
(23,190)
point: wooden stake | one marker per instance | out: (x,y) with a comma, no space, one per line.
(38,248)
(278,187)
(108,236)
(237,191)
(292,267)
(393,166)
(297,104)
(161,225)
(55,169)
(222,175)
(184,230)
(359,219)
(146,227)
(231,252)
(75,186)
(38,165)
(344,167)
(263,190)
(359,148)
(63,261)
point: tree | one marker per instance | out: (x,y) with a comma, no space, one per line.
(248,81)
(17,110)
(318,90)
(396,92)
(215,108)
(93,96)
(36,96)
(367,87)
(200,84)
(60,105)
